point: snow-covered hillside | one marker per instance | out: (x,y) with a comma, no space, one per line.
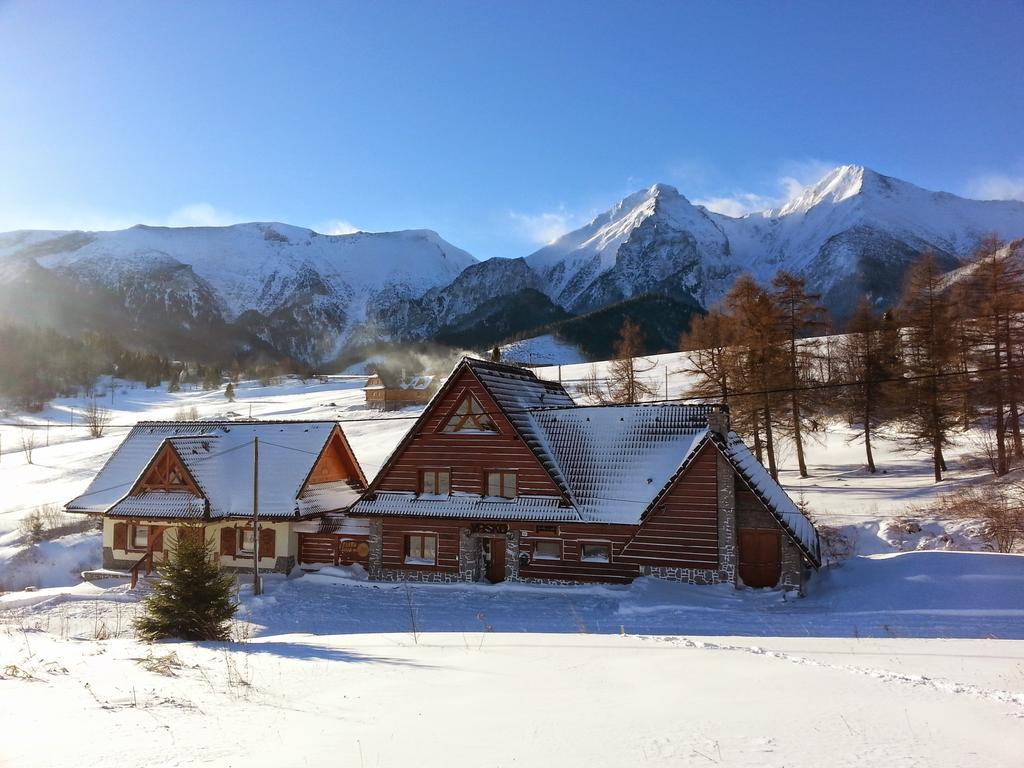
(290,291)
(896,656)
(303,293)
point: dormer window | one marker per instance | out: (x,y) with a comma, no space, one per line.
(471,417)
(435,482)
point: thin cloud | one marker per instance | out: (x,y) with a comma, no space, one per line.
(792,178)
(90,220)
(546,227)
(336,227)
(996,186)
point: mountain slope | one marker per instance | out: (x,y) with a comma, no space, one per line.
(300,293)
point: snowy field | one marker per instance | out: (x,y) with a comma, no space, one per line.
(902,655)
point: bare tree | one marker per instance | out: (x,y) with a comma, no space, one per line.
(998,504)
(800,315)
(709,350)
(870,359)
(930,355)
(96,418)
(591,386)
(624,382)
(28,444)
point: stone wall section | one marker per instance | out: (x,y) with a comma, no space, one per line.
(750,513)
(727,513)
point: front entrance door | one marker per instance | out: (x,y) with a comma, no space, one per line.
(494,553)
(760,557)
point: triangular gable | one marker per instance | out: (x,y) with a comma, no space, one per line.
(335,462)
(462,378)
(166,472)
(468,415)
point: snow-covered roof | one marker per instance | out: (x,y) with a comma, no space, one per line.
(616,459)
(219,457)
(772,495)
(518,392)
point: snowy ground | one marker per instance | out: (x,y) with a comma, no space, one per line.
(896,657)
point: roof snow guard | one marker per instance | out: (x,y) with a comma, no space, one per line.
(771,494)
(219,457)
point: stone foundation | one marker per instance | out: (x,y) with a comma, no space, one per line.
(421,577)
(685,575)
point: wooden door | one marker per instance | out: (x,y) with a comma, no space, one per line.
(760,557)
(495,560)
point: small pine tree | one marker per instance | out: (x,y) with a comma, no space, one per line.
(229,392)
(195,600)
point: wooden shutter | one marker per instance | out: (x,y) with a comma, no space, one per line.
(157,542)
(120,536)
(268,537)
(227,541)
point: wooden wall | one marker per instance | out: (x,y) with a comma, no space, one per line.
(395,529)
(570,567)
(467,455)
(682,530)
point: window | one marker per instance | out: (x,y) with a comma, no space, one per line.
(140,537)
(469,416)
(594,552)
(435,482)
(547,550)
(501,483)
(420,549)
(246,541)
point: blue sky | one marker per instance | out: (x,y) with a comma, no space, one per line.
(497,124)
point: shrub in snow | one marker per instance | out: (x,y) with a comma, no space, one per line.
(195,599)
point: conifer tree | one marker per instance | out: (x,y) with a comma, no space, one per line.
(229,392)
(869,358)
(195,599)
(930,356)
(800,315)
(996,297)
(624,382)
(760,368)
(709,350)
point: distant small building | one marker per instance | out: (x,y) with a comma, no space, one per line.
(388,391)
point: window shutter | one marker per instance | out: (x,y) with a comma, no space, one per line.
(120,536)
(158,539)
(227,541)
(268,537)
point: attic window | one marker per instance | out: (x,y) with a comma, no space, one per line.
(470,417)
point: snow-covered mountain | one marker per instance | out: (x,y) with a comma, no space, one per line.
(291,291)
(854,231)
(300,293)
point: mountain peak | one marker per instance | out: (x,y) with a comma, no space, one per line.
(839,184)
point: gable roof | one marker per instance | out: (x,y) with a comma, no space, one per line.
(794,522)
(616,459)
(219,457)
(514,391)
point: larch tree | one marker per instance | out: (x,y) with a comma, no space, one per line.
(800,315)
(996,291)
(624,381)
(869,356)
(930,357)
(709,351)
(760,362)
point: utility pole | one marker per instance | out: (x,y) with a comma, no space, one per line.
(666,381)
(257,587)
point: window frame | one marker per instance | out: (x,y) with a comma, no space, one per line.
(240,550)
(436,472)
(486,490)
(409,559)
(607,545)
(561,550)
(453,414)
(133,530)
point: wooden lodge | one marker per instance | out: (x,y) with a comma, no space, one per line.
(503,478)
(388,391)
(171,476)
